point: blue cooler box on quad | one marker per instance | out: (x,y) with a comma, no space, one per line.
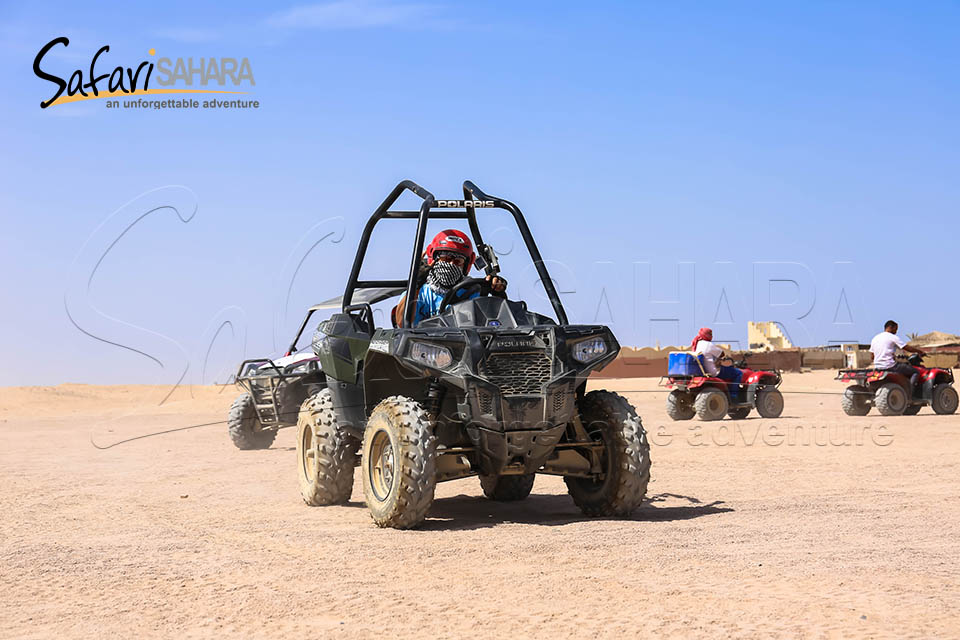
(683,364)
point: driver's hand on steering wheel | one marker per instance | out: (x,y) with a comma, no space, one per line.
(497,283)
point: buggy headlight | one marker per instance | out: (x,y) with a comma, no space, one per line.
(319,343)
(589,350)
(431,355)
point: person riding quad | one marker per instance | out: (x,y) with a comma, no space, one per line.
(447,261)
(703,345)
(884,348)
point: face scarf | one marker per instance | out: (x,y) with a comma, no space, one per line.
(444,274)
(704,334)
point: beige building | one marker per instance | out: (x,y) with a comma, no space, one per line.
(766,336)
(857,356)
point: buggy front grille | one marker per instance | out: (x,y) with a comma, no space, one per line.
(559,400)
(485,401)
(517,373)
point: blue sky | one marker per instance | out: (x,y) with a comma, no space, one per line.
(679,144)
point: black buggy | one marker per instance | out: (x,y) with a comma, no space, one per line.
(486,388)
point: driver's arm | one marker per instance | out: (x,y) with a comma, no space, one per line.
(398,311)
(419,313)
(900,342)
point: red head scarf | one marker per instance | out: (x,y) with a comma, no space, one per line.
(705,333)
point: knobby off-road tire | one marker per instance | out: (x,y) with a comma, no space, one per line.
(399,463)
(770,403)
(945,399)
(507,488)
(912,409)
(610,419)
(243,425)
(711,404)
(891,400)
(738,414)
(325,453)
(855,400)
(680,405)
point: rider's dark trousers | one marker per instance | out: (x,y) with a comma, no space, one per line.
(905,369)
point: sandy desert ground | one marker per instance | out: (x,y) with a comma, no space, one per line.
(813,525)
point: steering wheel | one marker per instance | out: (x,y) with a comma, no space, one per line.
(465,290)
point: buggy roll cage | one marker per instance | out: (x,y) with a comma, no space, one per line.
(449,210)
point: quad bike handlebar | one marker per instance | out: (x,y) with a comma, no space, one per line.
(739,364)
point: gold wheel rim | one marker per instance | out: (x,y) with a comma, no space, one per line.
(382,467)
(309,454)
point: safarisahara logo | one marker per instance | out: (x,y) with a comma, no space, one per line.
(166,76)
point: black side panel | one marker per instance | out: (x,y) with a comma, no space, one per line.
(383,376)
(340,343)
(348,404)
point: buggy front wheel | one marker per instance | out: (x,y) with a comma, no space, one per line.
(625,457)
(399,463)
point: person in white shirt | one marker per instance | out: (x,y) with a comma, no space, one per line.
(703,345)
(884,348)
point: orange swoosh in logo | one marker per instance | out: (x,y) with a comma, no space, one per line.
(120,94)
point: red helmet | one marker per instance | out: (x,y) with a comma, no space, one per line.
(455,242)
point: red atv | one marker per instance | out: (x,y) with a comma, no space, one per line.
(890,392)
(697,393)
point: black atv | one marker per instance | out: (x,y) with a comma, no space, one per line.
(273,392)
(486,387)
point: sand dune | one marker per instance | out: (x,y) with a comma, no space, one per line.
(837,526)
